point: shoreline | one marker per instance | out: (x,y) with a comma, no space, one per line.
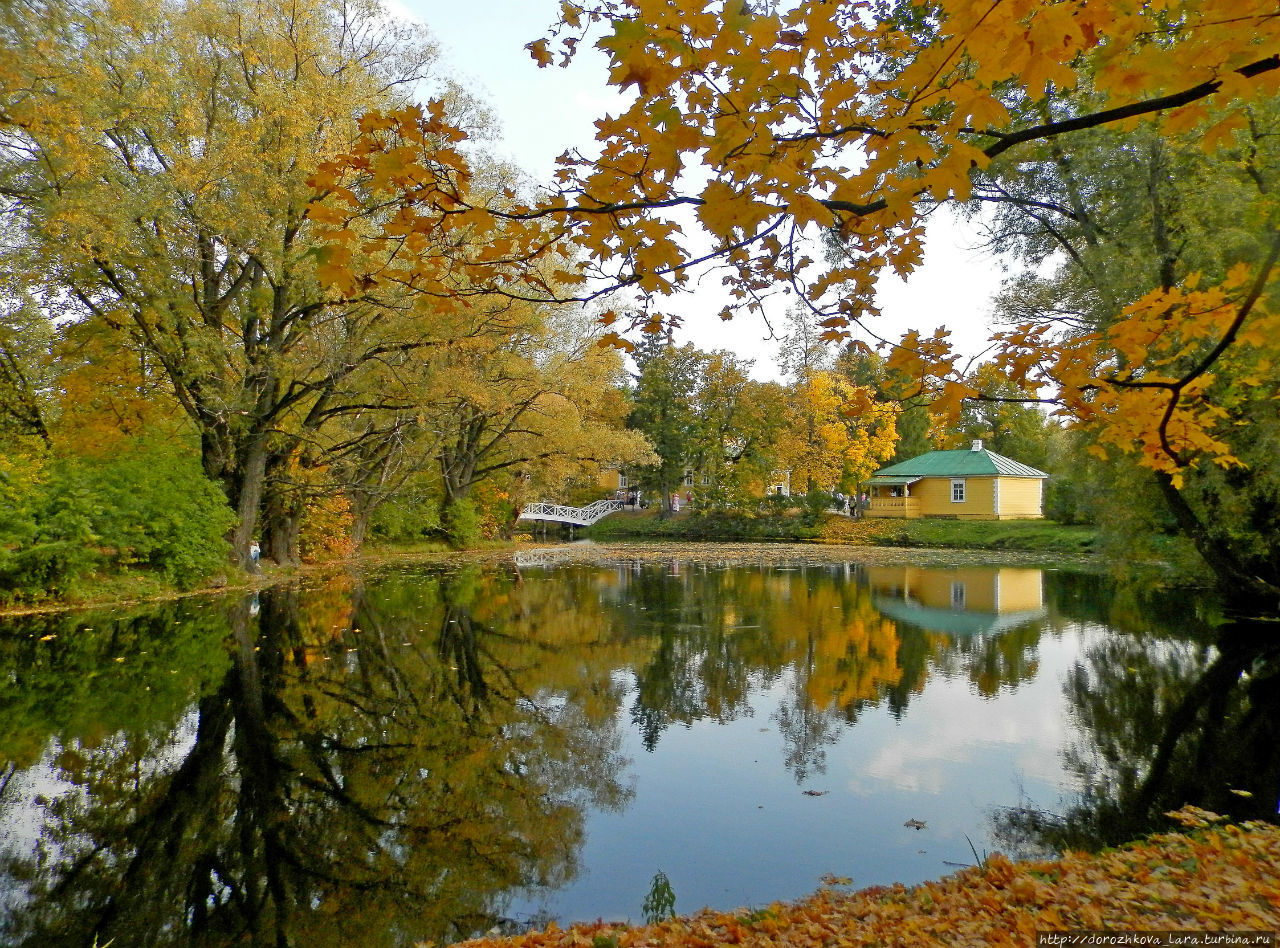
(744,552)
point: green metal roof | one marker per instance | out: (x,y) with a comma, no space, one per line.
(961,463)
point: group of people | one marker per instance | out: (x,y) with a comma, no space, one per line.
(851,505)
(633,498)
(676,500)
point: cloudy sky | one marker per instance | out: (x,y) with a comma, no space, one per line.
(545,111)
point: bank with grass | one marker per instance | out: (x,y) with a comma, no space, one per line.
(124,583)
(1022,535)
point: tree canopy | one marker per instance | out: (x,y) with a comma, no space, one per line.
(754,129)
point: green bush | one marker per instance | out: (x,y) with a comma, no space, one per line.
(404,520)
(157,509)
(462,526)
(150,506)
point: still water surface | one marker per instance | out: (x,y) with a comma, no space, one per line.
(430,753)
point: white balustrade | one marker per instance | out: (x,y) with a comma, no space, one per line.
(578,516)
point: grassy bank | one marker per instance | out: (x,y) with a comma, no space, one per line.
(1025,535)
(1036,536)
(130,586)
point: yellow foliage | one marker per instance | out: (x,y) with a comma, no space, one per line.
(1215,878)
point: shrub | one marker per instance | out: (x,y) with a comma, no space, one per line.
(462,524)
(150,505)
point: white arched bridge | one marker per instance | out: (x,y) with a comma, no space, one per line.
(574,516)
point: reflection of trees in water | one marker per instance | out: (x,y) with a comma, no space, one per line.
(348,780)
(1168,723)
(709,651)
(386,761)
(721,633)
(993,662)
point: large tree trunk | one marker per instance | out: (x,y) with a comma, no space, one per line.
(285,505)
(244,490)
(1241,589)
(363,504)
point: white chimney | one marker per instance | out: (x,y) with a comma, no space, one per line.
(977,444)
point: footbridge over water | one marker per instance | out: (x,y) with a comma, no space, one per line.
(574,516)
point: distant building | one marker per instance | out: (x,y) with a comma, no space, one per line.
(613,480)
(780,483)
(971,484)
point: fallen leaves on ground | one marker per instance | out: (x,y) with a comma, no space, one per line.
(1212,878)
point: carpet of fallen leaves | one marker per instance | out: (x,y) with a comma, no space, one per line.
(1209,878)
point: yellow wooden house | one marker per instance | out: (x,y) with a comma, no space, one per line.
(968,484)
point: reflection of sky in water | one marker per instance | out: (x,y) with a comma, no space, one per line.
(716,810)
(565,676)
(30,794)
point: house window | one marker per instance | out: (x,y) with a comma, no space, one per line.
(957,491)
(957,595)
(622,479)
(688,478)
(706,479)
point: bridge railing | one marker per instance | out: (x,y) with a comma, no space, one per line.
(578,516)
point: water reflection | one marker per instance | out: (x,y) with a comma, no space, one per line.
(1166,722)
(424,755)
(346,780)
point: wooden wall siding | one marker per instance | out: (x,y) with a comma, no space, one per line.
(1020,498)
(934,494)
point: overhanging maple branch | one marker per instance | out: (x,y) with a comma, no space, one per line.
(1175,100)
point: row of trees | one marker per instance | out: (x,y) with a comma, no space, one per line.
(1097,130)
(164,293)
(704,414)
(835,418)
(241,216)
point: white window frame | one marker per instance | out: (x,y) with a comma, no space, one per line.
(957,496)
(959,595)
(622,479)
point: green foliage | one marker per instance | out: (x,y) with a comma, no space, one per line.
(1031,535)
(46,535)
(1037,535)
(156,508)
(462,523)
(815,502)
(715,525)
(660,902)
(664,410)
(412,516)
(149,506)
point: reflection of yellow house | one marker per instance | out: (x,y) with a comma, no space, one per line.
(958,601)
(973,484)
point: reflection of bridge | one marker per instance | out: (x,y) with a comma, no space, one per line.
(575,516)
(551,557)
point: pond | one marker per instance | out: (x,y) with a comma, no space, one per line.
(429,753)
